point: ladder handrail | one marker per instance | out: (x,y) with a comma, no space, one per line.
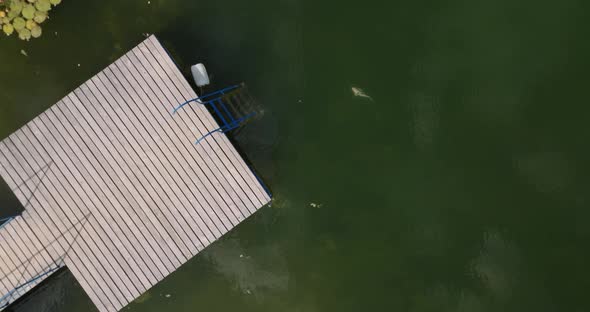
(227,127)
(218,105)
(200,98)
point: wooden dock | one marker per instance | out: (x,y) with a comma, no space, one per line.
(114,187)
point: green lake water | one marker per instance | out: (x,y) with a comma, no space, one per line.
(461,186)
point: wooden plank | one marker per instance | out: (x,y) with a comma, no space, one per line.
(16,255)
(189,226)
(175,150)
(125,197)
(231,203)
(23,264)
(5,284)
(186,178)
(120,107)
(150,225)
(228,172)
(32,262)
(173,172)
(91,159)
(25,261)
(32,234)
(133,215)
(78,265)
(129,132)
(32,259)
(80,209)
(29,229)
(10,264)
(72,179)
(51,134)
(29,224)
(139,157)
(150,130)
(214,191)
(200,116)
(69,222)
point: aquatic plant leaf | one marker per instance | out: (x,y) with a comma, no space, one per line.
(40,17)
(16,7)
(24,34)
(36,31)
(30,24)
(43,5)
(18,23)
(13,14)
(28,11)
(24,16)
(8,29)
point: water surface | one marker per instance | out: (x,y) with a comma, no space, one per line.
(462,186)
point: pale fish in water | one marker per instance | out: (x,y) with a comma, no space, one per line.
(360,93)
(316,205)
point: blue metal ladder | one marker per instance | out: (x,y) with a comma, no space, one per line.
(230,116)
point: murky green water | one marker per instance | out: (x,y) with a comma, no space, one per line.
(462,186)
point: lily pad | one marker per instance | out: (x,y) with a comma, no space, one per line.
(24,34)
(28,11)
(30,24)
(43,5)
(18,23)
(16,7)
(12,14)
(40,17)
(24,16)
(36,31)
(8,29)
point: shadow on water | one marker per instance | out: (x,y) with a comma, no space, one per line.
(9,204)
(59,292)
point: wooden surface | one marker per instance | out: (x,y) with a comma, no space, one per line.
(114,187)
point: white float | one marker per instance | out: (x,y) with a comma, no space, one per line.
(200,75)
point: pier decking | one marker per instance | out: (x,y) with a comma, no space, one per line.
(114,187)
